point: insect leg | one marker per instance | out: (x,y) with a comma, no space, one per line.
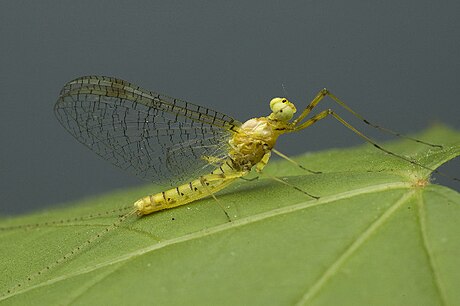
(293,161)
(217,179)
(376,126)
(203,183)
(320,96)
(263,162)
(324,92)
(328,112)
(290,185)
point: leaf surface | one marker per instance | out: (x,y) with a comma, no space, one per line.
(380,234)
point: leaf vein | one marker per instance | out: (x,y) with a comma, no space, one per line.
(355,245)
(421,217)
(219,228)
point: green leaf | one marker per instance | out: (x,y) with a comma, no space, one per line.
(381,234)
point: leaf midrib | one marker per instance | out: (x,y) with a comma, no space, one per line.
(222,227)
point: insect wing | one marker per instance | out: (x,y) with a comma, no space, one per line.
(154,136)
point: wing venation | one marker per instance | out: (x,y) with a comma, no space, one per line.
(154,136)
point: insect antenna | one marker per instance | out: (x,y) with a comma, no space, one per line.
(286,94)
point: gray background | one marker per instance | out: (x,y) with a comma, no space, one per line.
(395,62)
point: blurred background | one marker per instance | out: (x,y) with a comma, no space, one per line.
(395,62)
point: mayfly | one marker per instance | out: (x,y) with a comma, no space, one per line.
(196,150)
(172,142)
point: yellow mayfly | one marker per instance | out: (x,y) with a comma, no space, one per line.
(171,141)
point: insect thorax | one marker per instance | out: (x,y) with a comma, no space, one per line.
(252,141)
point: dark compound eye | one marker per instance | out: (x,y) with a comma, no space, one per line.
(284,100)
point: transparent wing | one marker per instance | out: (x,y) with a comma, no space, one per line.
(156,137)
